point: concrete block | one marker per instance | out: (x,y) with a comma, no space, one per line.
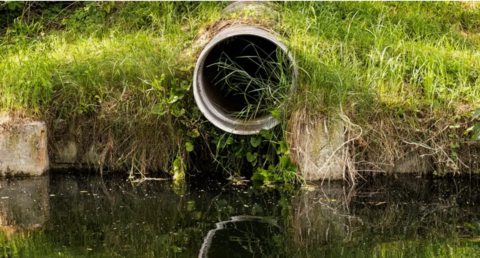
(65,152)
(23,149)
(412,163)
(317,148)
(69,154)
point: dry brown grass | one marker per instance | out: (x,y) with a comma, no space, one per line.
(419,141)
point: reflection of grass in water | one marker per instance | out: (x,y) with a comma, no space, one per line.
(262,90)
(448,248)
(37,244)
(129,224)
(422,249)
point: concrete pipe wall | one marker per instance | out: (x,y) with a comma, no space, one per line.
(214,102)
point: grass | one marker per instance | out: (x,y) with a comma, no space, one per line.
(118,73)
(109,80)
(105,84)
(263,90)
(402,72)
(412,55)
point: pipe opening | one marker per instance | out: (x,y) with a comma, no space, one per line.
(246,76)
(241,76)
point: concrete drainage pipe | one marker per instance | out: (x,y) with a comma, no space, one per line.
(240,77)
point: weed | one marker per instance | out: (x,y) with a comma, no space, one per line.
(261,90)
(476,128)
(114,77)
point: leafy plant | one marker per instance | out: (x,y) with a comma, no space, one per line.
(13,5)
(99,69)
(89,18)
(265,154)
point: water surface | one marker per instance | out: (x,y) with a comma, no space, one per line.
(91,216)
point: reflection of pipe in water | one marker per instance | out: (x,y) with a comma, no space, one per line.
(24,204)
(231,236)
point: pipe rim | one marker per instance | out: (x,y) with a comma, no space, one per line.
(219,118)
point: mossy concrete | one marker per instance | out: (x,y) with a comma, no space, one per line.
(23,149)
(318,147)
(69,154)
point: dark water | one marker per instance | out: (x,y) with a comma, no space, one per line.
(87,216)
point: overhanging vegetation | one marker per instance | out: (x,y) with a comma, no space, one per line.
(116,77)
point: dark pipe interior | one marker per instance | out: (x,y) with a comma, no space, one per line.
(236,48)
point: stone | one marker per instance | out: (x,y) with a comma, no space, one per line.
(23,148)
(66,152)
(92,157)
(412,163)
(252,7)
(317,148)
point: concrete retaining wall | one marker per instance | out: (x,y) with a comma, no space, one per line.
(317,147)
(23,149)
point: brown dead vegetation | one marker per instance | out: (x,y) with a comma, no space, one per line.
(419,141)
(388,142)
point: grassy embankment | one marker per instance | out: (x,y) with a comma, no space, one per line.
(117,76)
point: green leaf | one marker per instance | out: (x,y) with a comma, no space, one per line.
(286,164)
(255,141)
(470,226)
(239,153)
(177,111)
(229,140)
(185,85)
(476,137)
(276,114)
(157,84)
(190,205)
(14,5)
(283,148)
(178,166)
(158,110)
(476,132)
(194,133)
(189,146)
(476,114)
(268,174)
(259,175)
(266,134)
(173,99)
(252,158)
(468,130)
